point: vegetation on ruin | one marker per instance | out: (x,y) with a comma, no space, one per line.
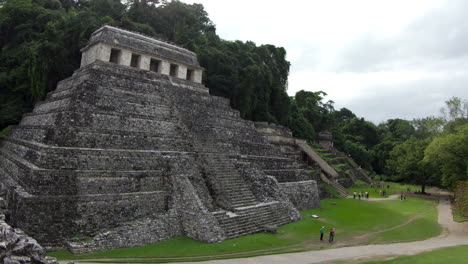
(329,190)
(5,131)
(452,255)
(350,217)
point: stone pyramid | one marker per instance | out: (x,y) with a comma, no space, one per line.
(132,149)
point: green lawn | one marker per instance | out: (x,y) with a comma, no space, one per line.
(350,217)
(452,255)
(424,227)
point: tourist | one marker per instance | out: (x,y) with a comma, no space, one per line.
(367,195)
(332,235)
(359,196)
(380,192)
(322,231)
(354,195)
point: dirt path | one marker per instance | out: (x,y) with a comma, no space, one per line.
(390,197)
(454,234)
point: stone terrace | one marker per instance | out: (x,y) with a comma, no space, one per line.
(117,151)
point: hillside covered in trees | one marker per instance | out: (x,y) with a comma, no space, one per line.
(40,45)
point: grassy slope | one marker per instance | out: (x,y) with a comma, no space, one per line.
(350,217)
(452,255)
(457,216)
(460,218)
(422,228)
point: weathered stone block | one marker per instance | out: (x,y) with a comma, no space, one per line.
(126,156)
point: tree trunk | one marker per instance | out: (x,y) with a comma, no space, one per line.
(423,188)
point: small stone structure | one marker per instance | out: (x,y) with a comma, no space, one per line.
(126,48)
(124,153)
(325,139)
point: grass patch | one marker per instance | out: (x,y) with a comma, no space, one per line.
(452,255)
(457,217)
(5,131)
(338,167)
(424,227)
(350,217)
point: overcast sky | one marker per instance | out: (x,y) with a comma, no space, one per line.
(380,59)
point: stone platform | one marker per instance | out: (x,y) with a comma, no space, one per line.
(122,156)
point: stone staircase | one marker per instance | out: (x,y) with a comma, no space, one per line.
(231,190)
(252,219)
(302,155)
(241,213)
(341,190)
(349,172)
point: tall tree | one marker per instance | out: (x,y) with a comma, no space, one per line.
(455,108)
(407,163)
(449,152)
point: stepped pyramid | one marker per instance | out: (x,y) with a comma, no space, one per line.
(132,149)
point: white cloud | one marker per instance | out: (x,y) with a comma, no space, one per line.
(379,58)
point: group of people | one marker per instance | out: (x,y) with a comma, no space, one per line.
(402,196)
(383,192)
(360,195)
(331,235)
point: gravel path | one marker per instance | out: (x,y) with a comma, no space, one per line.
(454,234)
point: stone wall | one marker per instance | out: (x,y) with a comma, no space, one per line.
(116,151)
(302,194)
(130,234)
(127,45)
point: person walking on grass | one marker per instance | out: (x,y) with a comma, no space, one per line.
(354,195)
(322,231)
(332,235)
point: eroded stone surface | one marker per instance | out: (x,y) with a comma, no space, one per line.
(118,156)
(16,247)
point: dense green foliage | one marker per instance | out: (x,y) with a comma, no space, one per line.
(434,150)
(460,204)
(41,41)
(40,45)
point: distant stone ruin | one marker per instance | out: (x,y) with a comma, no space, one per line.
(325,140)
(132,149)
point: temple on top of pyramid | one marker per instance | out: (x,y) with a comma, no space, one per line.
(132,149)
(111,44)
